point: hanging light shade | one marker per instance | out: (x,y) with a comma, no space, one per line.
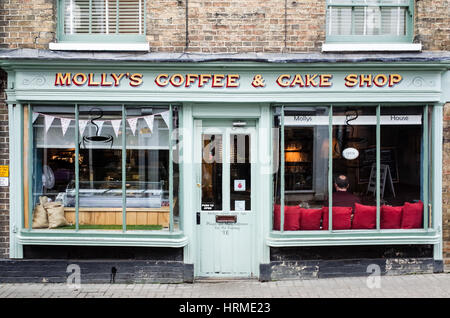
(292,153)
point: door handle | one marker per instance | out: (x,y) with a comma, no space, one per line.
(198,218)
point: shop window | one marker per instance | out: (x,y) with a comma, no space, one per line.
(100,168)
(369,20)
(374,174)
(102,20)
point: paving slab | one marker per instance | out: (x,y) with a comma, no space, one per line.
(428,286)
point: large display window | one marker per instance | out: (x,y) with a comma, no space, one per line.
(100,167)
(352,168)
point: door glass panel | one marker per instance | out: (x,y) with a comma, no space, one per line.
(212,172)
(240,172)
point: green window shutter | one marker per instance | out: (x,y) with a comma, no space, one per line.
(115,18)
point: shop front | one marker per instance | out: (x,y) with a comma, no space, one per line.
(199,155)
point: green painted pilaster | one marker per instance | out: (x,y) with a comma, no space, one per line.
(437,138)
(16,218)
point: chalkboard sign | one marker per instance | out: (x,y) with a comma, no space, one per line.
(388,156)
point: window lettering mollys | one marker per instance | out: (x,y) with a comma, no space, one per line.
(98,80)
(303,119)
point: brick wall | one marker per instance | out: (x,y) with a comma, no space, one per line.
(27,23)
(233,26)
(432,27)
(225,26)
(4,160)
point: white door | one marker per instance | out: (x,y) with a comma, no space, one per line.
(226,207)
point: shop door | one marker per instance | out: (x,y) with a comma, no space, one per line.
(226,206)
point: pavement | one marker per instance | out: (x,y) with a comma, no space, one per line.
(408,286)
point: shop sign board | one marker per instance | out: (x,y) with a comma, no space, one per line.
(214,80)
(254,84)
(4,176)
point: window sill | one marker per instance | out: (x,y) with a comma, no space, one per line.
(371,47)
(75,46)
(103,238)
(352,237)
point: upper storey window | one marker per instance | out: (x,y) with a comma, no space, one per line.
(369,21)
(101,21)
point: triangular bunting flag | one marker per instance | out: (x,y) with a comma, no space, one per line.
(35,116)
(165,116)
(65,122)
(82,123)
(149,120)
(116,126)
(48,122)
(133,123)
(99,123)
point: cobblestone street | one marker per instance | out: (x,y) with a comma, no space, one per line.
(429,286)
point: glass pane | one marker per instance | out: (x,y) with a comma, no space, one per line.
(100,188)
(76,17)
(305,168)
(53,165)
(354,138)
(402,167)
(212,150)
(240,172)
(101,17)
(393,21)
(339,21)
(147,167)
(371,20)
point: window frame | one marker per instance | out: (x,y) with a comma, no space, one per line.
(349,237)
(97,37)
(28,126)
(409,24)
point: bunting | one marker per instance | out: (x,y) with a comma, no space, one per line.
(116,126)
(65,123)
(165,116)
(82,123)
(35,116)
(149,120)
(133,124)
(48,120)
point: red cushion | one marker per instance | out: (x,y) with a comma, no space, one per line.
(391,217)
(291,218)
(412,215)
(310,219)
(365,217)
(276,217)
(342,218)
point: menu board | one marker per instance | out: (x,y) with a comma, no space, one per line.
(388,156)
